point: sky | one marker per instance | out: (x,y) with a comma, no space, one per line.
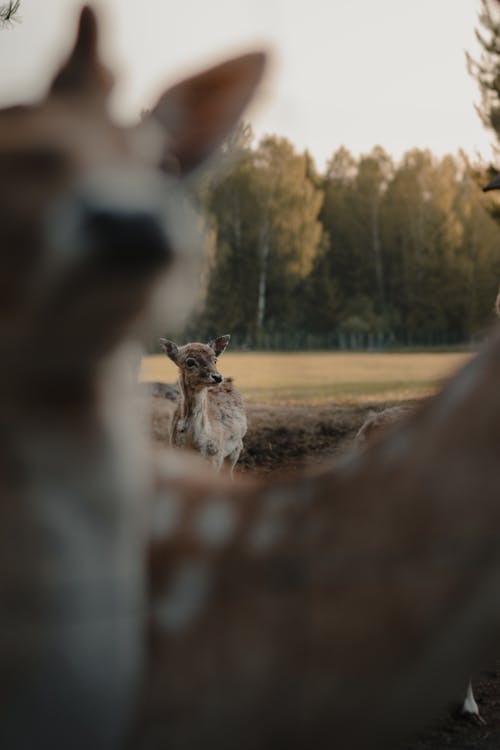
(356,73)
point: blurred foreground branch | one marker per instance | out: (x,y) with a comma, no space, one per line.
(8,12)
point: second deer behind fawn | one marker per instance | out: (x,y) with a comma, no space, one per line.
(210,417)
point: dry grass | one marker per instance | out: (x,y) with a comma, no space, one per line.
(325,377)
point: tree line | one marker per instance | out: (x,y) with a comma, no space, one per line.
(372,252)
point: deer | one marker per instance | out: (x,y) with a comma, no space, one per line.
(376,425)
(147,602)
(99,239)
(210,416)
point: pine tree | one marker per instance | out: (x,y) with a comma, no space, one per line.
(486,70)
(8,12)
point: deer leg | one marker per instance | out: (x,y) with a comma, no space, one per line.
(233,457)
(216,461)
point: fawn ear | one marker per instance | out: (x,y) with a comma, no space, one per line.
(200,111)
(83,72)
(219,344)
(170,349)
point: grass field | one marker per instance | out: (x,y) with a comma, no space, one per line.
(325,377)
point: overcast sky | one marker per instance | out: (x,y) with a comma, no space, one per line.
(343,72)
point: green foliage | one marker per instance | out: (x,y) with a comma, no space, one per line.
(487,70)
(266,216)
(368,254)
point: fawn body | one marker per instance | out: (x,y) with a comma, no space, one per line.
(210,417)
(261,616)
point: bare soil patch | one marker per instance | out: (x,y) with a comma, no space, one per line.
(284,439)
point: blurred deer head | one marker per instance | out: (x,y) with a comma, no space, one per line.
(94,214)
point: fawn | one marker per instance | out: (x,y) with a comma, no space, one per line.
(210,417)
(212,612)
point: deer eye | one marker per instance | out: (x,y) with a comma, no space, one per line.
(190,362)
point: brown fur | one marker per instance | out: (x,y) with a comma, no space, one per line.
(376,426)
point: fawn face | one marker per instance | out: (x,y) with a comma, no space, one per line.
(93,215)
(196,362)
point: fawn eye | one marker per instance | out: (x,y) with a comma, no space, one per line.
(190,362)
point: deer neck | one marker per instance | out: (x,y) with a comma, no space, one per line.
(193,404)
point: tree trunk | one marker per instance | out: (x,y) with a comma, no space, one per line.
(377,252)
(262,292)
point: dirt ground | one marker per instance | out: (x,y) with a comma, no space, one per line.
(284,439)
(281,439)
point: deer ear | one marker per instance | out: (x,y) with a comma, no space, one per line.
(170,349)
(219,344)
(200,111)
(83,71)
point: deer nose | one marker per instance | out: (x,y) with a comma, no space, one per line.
(126,241)
(216,377)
